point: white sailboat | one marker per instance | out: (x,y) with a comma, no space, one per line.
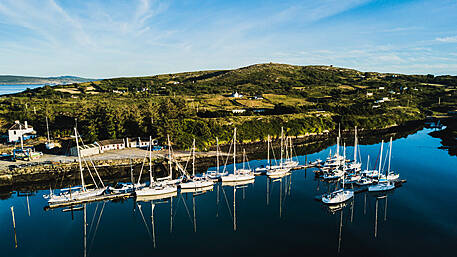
(216,174)
(290,162)
(158,188)
(196,182)
(383,184)
(281,170)
(390,174)
(338,196)
(241,174)
(339,171)
(74,194)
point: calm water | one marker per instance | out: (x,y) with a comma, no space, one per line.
(417,219)
(11,89)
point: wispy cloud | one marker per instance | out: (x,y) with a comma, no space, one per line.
(447,39)
(102,38)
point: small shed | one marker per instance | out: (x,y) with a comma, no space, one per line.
(85,150)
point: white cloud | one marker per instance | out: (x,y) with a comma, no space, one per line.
(447,39)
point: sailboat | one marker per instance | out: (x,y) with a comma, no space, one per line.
(339,171)
(374,174)
(196,182)
(390,174)
(383,184)
(338,196)
(281,170)
(337,160)
(355,166)
(364,181)
(216,174)
(290,162)
(74,194)
(157,188)
(241,174)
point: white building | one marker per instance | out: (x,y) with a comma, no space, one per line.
(140,143)
(237,111)
(18,129)
(111,144)
(236,95)
(85,150)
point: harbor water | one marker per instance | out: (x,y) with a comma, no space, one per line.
(266,218)
(16,88)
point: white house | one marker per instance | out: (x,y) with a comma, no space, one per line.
(140,143)
(369,93)
(18,129)
(111,144)
(237,111)
(236,95)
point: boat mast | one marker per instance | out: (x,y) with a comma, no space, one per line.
(169,156)
(268,151)
(217,156)
(380,158)
(234,151)
(390,156)
(79,160)
(150,161)
(344,163)
(282,144)
(338,141)
(290,148)
(193,158)
(244,157)
(355,145)
(47,128)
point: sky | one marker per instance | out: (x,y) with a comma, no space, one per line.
(109,38)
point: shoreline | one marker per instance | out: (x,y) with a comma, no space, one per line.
(115,166)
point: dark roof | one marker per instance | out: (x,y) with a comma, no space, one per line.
(17,126)
(111,142)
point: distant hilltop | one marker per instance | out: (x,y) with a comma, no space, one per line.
(19,80)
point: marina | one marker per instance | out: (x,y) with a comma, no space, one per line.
(255,209)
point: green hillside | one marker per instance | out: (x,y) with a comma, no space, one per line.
(303,99)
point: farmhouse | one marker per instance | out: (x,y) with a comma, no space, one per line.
(19,130)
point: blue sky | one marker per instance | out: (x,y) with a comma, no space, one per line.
(102,38)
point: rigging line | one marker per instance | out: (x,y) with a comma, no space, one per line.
(187,209)
(93,218)
(177,208)
(228,205)
(227,157)
(90,173)
(82,142)
(274,156)
(142,166)
(96,227)
(96,172)
(144,220)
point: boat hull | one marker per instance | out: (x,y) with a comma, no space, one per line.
(75,196)
(339,197)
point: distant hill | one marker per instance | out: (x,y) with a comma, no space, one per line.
(10,79)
